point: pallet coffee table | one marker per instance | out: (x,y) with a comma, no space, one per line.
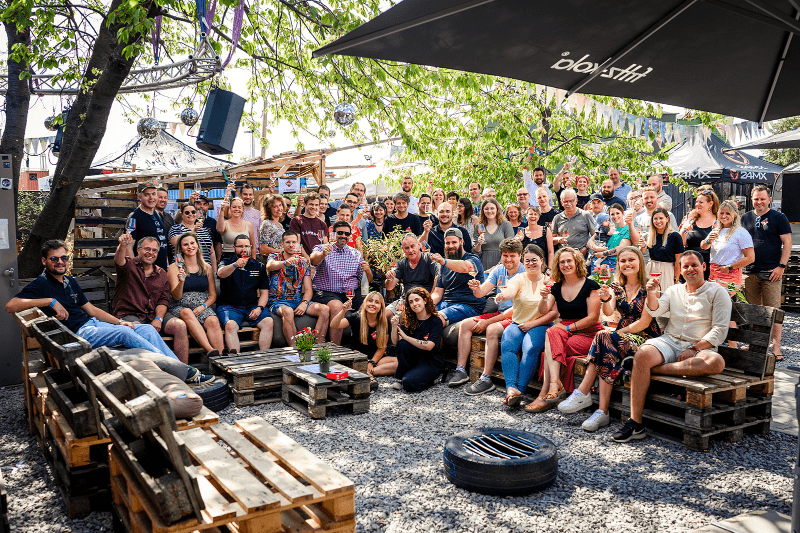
(312,394)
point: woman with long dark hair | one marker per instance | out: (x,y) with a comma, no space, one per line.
(272,228)
(696,226)
(664,246)
(466,219)
(417,336)
(491,231)
(369,334)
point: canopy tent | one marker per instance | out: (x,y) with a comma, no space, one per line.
(787,139)
(735,57)
(161,153)
(714,160)
(374,186)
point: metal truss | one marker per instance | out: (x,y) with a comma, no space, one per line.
(203,64)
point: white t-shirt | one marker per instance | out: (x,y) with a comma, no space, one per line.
(727,251)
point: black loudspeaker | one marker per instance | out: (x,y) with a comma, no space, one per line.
(790,193)
(220,123)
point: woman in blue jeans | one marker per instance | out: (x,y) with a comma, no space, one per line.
(526,333)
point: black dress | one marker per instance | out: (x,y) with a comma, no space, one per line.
(693,240)
(417,368)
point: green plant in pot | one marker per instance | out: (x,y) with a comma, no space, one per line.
(304,342)
(324,360)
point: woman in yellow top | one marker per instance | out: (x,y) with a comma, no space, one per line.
(527,329)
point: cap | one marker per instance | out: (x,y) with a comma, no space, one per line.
(453,232)
(202,197)
(596,196)
(147,185)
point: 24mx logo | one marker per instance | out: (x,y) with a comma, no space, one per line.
(630,74)
(758,176)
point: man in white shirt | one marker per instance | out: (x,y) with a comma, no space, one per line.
(657,182)
(700,312)
(413,203)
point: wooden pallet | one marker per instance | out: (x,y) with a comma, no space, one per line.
(29,342)
(248,341)
(72,402)
(59,345)
(703,392)
(267,483)
(257,377)
(5,527)
(204,419)
(313,395)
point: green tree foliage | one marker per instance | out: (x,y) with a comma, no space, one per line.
(786,156)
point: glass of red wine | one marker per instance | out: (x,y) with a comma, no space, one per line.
(471,271)
(245,256)
(350,294)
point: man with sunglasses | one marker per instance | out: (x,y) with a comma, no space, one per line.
(59,295)
(339,271)
(772,240)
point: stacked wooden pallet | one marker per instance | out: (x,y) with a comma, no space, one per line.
(257,377)
(313,395)
(790,289)
(248,342)
(5,527)
(266,483)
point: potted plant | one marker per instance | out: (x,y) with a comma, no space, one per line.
(324,359)
(304,342)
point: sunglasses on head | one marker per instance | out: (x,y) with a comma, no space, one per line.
(705,192)
(55,259)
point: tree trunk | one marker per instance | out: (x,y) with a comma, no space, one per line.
(83,132)
(18,98)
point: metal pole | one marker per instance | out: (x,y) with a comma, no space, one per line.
(796,490)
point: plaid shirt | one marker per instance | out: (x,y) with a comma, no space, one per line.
(340,271)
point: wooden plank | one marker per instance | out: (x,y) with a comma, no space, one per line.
(81,202)
(106,222)
(89,262)
(217,507)
(295,457)
(241,484)
(744,360)
(283,482)
(757,315)
(95,243)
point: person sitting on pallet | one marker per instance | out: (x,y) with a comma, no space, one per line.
(699,315)
(416,269)
(141,294)
(290,289)
(241,278)
(339,272)
(59,295)
(492,324)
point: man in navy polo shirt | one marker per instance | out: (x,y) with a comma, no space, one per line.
(149,222)
(239,298)
(452,295)
(59,295)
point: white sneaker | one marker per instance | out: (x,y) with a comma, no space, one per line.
(598,420)
(576,402)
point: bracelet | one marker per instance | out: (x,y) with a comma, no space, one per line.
(159,318)
(120,322)
(445,262)
(605,301)
(53,303)
(567,328)
(204,305)
(371,362)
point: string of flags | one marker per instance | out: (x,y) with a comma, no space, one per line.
(664,133)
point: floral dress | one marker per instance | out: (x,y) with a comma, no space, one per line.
(271,234)
(611,347)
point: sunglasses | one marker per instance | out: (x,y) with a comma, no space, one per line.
(189,212)
(55,259)
(345,233)
(705,192)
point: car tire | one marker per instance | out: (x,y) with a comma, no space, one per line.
(216,395)
(500,461)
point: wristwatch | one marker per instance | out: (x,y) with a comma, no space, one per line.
(370,361)
(782,265)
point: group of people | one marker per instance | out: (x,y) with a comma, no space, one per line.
(203,277)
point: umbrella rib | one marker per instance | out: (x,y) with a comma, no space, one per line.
(752,15)
(631,46)
(777,15)
(778,69)
(338,48)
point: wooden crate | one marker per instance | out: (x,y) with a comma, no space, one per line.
(59,345)
(313,395)
(72,402)
(266,483)
(257,377)
(29,342)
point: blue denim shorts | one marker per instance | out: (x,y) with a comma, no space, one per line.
(453,312)
(293,304)
(238,313)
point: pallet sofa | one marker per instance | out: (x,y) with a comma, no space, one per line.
(692,410)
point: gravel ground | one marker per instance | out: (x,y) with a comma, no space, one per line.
(394,456)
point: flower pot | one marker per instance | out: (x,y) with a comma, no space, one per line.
(304,357)
(325,367)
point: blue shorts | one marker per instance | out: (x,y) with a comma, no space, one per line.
(293,304)
(239,313)
(453,312)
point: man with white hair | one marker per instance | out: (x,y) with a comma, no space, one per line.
(488,192)
(579,224)
(416,269)
(656,181)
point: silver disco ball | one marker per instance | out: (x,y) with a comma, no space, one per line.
(331,133)
(50,123)
(344,114)
(148,128)
(189,116)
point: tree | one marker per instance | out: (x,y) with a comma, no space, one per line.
(786,156)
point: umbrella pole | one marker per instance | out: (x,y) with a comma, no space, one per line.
(796,490)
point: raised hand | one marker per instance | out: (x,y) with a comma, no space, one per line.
(438,258)
(653,285)
(126,238)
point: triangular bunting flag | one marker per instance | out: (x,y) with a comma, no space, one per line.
(172,127)
(560,94)
(182,127)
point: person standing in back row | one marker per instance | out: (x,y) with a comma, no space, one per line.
(149,222)
(772,240)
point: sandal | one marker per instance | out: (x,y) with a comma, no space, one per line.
(778,357)
(512,400)
(555,397)
(539,405)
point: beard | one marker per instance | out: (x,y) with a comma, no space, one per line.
(609,195)
(458,253)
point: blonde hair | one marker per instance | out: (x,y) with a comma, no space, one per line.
(641,275)
(651,236)
(381,330)
(580,264)
(731,207)
(199,255)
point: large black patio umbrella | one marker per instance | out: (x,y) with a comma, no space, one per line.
(736,57)
(787,139)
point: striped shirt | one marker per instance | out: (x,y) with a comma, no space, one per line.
(203,239)
(340,271)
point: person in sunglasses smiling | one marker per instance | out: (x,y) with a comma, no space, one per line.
(339,270)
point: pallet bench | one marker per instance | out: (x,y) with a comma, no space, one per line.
(313,395)
(5,527)
(257,377)
(265,483)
